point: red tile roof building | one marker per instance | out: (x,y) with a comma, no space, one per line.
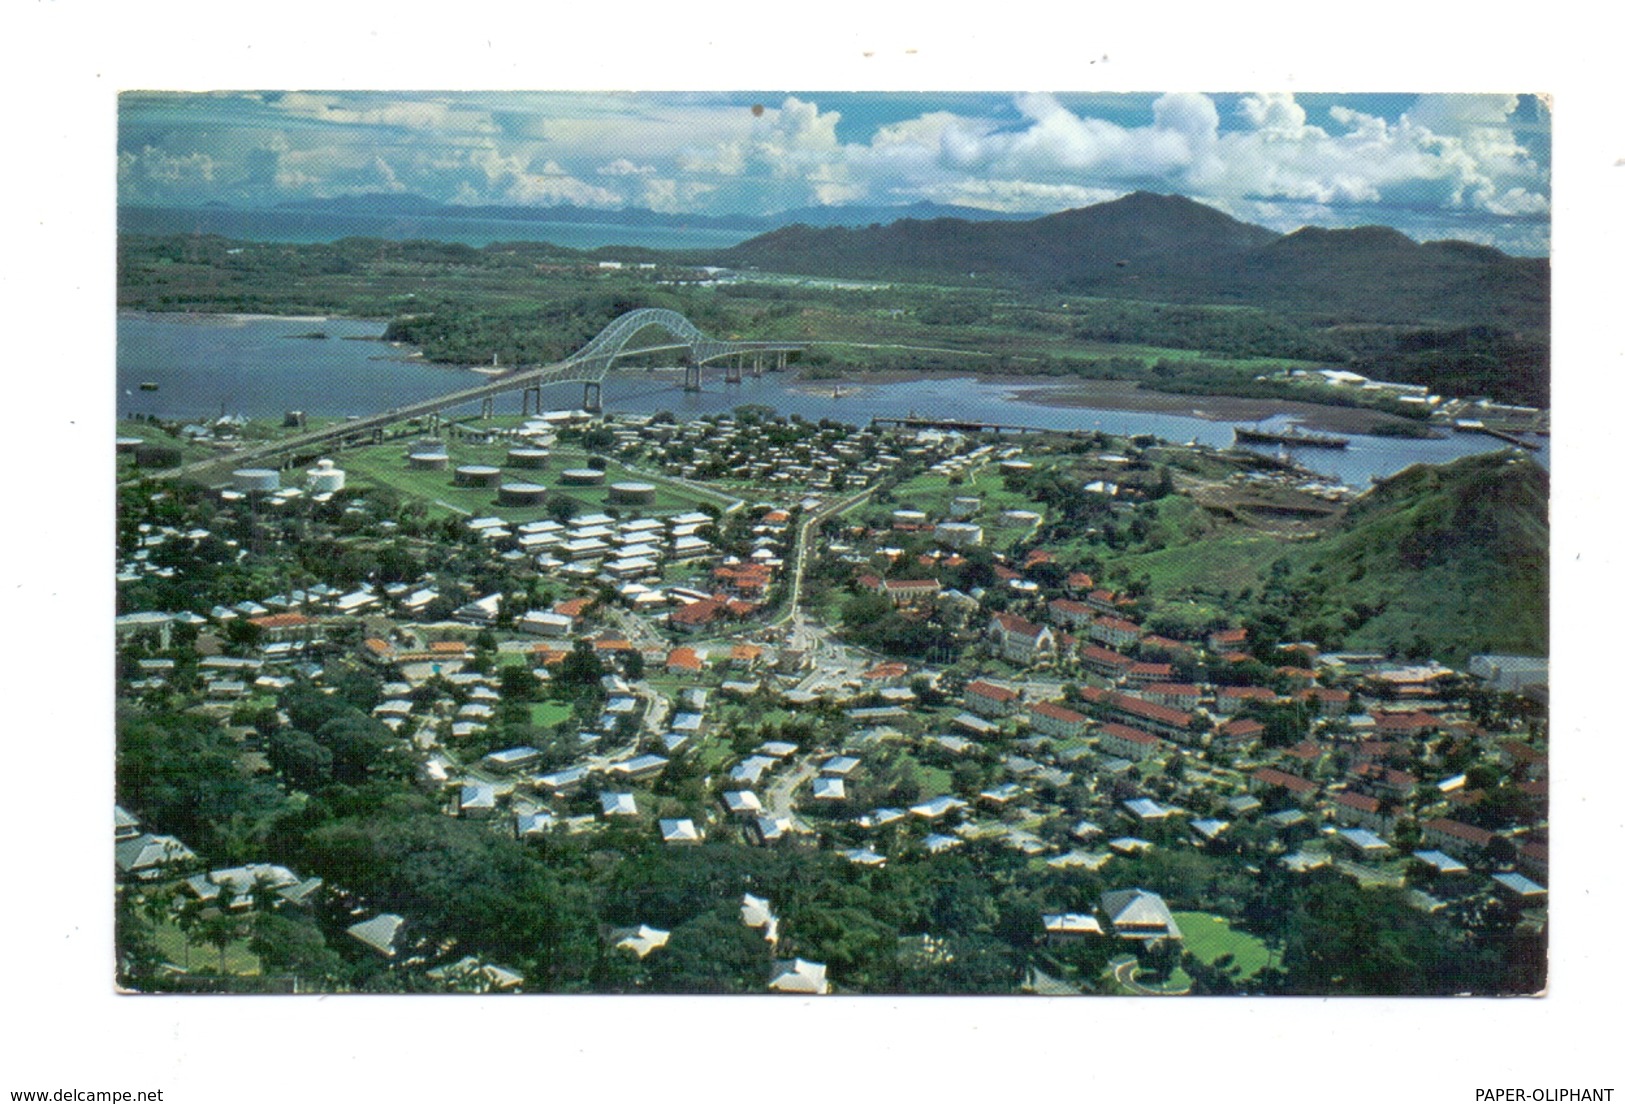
(991,700)
(1127,742)
(1056,720)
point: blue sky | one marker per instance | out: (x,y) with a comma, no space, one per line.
(1436,166)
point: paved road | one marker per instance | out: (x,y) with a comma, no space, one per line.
(1123,973)
(781,794)
(804,534)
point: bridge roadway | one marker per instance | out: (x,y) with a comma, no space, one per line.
(588,365)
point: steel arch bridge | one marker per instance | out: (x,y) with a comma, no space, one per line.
(591,363)
(588,366)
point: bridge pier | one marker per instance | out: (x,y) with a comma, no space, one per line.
(691,377)
(378,435)
(487,408)
(525,399)
(592,398)
(756,366)
(434,424)
(732,371)
(783,357)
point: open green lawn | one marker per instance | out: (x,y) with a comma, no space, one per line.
(1208,936)
(171,941)
(548,713)
(1229,562)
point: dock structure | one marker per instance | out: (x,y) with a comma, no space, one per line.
(1498,434)
(960,425)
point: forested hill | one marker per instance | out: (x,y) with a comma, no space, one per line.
(1178,250)
(1447,561)
(1139,234)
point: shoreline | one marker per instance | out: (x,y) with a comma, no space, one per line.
(198,317)
(1129,396)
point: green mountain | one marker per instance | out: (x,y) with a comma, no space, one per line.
(1465,318)
(1440,561)
(1139,234)
(1175,249)
(1448,561)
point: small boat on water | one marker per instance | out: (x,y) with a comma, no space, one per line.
(1289,436)
(148,385)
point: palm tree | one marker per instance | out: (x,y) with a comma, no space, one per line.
(220,928)
(188,919)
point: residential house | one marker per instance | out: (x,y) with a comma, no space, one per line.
(679,830)
(1268,778)
(684,661)
(1230,700)
(990,699)
(1128,743)
(1066,927)
(1056,720)
(1104,661)
(380,934)
(1070,614)
(1443,833)
(1139,914)
(1237,732)
(1175,695)
(1114,632)
(1160,719)
(1362,811)
(799,976)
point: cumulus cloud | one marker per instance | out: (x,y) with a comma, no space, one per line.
(412,114)
(623,167)
(1265,156)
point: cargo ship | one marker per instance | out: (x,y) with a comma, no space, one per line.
(1288,436)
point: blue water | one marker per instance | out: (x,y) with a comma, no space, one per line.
(305,227)
(206,365)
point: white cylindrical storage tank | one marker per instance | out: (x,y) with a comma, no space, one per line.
(530,458)
(127,444)
(324,478)
(908,517)
(582,477)
(428,460)
(256,479)
(477,475)
(521,494)
(1015,467)
(633,494)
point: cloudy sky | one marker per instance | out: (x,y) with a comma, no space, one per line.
(1469,167)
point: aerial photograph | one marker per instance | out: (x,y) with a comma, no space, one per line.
(831,543)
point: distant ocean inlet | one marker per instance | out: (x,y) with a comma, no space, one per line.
(306,227)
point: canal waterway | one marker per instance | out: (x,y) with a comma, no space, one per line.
(206,365)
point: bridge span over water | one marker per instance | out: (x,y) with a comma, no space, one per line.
(588,366)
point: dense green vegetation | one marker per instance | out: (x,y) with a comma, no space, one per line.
(543,909)
(1443,562)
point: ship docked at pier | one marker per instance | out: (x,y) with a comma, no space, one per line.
(1289,436)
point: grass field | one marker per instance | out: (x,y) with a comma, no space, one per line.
(171,941)
(1209,937)
(545,714)
(1228,562)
